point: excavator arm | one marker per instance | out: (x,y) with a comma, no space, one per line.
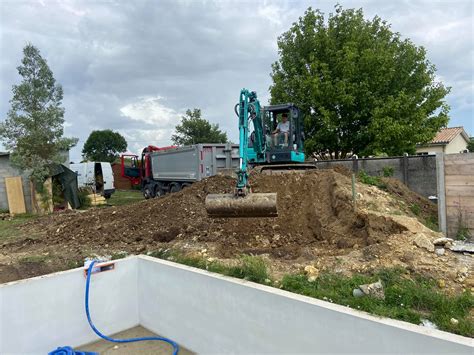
(248,110)
(243,203)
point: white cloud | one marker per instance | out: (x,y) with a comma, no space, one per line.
(139,138)
(69,7)
(150,109)
(271,13)
(159,122)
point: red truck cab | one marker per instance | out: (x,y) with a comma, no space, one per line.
(138,170)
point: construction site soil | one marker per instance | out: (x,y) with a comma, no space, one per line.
(317,224)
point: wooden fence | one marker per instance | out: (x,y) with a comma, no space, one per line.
(457,202)
(120,183)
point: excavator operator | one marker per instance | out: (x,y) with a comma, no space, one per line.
(283,129)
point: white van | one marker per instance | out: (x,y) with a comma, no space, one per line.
(96,175)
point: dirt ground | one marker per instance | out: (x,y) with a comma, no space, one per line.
(317,225)
(137,348)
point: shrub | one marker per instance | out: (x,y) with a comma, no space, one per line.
(388,171)
(372,180)
(416,209)
(463,233)
(84,200)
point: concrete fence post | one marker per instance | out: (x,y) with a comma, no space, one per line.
(441,190)
(355,163)
(405,168)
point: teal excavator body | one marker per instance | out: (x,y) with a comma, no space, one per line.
(267,146)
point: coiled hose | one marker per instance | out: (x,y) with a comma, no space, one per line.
(131,340)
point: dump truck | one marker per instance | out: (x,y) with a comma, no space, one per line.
(166,170)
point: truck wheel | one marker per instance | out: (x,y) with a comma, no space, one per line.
(175,187)
(148,193)
(158,192)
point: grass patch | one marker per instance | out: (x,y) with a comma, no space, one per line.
(9,228)
(125,197)
(119,255)
(34,259)
(415,209)
(463,233)
(371,180)
(405,299)
(72,264)
(250,268)
(432,223)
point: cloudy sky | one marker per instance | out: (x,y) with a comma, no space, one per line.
(135,66)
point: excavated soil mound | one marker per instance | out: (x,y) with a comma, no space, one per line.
(317,225)
(313,207)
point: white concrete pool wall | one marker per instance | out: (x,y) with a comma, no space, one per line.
(38,315)
(204,312)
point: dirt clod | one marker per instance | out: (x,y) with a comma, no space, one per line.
(422,241)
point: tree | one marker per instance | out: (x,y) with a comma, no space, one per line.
(361,87)
(104,146)
(194,130)
(33,130)
(470,145)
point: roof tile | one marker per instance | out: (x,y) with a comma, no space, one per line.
(446,135)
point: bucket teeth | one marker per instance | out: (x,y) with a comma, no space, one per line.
(251,205)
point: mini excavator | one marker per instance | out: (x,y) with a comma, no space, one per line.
(270,147)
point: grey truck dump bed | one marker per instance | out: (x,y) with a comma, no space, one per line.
(195,162)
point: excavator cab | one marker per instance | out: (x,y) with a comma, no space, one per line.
(280,147)
(283,147)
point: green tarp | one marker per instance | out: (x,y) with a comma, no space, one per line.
(68,179)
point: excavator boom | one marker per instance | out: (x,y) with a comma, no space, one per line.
(244,203)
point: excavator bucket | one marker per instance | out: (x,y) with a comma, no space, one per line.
(251,205)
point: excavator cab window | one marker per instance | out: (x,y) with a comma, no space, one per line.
(272,117)
(284,138)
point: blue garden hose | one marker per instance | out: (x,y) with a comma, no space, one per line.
(131,340)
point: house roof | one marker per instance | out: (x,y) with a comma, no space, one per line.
(446,135)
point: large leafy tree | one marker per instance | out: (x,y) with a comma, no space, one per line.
(470,145)
(33,129)
(104,145)
(194,130)
(362,88)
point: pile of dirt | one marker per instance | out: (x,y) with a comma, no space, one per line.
(313,208)
(317,225)
(418,205)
